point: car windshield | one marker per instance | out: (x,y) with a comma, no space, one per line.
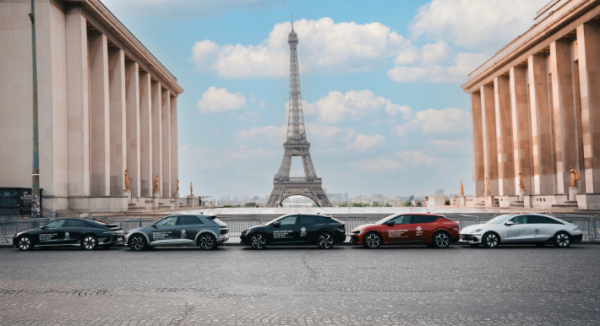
(499,219)
(385,219)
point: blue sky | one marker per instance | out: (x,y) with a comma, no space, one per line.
(380,86)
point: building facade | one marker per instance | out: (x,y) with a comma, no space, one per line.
(106,105)
(535,109)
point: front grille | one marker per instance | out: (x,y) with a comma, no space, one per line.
(224,231)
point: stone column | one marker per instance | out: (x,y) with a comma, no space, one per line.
(563,113)
(521,127)
(541,126)
(174,145)
(504,133)
(118,150)
(490,147)
(132,86)
(166,143)
(588,50)
(477,123)
(146,134)
(99,114)
(157,133)
(78,103)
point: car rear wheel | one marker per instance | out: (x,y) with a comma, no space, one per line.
(258,241)
(562,240)
(207,242)
(491,240)
(137,242)
(24,243)
(441,240)
(372,240)
(325,240)
(89,242)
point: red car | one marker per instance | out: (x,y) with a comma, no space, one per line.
(428,229)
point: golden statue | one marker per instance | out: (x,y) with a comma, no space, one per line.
(126,180)
(191,189)
(462,189)
(156,184)
(177,185)
(521,184)
(487,185)
(574,176)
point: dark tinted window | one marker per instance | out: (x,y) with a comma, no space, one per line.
(288,220)
(57,224)
(520,219)
(188,220)
(536,219)
(167,221)
(309,219)
(76,224)
(419,219)
(402,219)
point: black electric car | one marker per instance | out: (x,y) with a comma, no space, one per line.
(70,232)
(296,229)
(205,231)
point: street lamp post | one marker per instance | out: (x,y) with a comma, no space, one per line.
(35,171)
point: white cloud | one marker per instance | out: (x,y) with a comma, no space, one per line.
(450,120)
(185,9)
(272,133)
(324,45)
(363,143)
(452,146)
(475,24)
(216,100)
(355,105)
(463,64)
(376,165)
(416,158)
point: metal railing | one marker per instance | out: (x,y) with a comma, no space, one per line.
(11,226)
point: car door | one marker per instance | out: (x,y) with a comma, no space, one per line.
(400,231)
(188,227)
(284,232)
(544,228)
(308,226)
(52,233)
(520,231)
(74,231)
(423,226)
(165,231)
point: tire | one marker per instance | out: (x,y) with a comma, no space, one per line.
(491,240)
(325,240)
(207,241)
(372,240)
(562,240)
(441,240)
(25,243)
(89,242)
(137,242)
(258,241)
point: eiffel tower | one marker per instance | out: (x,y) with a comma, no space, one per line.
(296,145)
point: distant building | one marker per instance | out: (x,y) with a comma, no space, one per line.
(439,192)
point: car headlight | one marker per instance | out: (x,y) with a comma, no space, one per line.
(356,232)
(576,229)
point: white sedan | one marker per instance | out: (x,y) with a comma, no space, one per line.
(522,229)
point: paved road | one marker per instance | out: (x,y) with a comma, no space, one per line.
(302,286)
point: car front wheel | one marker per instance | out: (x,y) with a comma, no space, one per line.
(25,243)
(325,240)
(207,242)
(89,242)
(441,240)
(491,240)
(372,240)
(258,241)
(137,243)
(562,240)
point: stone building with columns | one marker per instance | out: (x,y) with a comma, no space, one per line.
(106,105)
(535,108)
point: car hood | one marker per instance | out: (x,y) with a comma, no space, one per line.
(364,226)
(471,228)
(28,230)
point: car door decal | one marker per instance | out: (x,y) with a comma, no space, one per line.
(419,231)
(161,235)
(67,236)
(183,233)
(47,236)
(303,232)
(394,234)
(282,234)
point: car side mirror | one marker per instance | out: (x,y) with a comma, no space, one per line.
(44,227)
(276,224)
(509,223)
(153,225)
(390,223)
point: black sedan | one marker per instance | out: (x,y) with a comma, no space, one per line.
(70,232)
(296,229)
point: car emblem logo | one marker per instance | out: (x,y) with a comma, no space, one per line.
(67,235)
(537,231)
(418,228)
(183,233)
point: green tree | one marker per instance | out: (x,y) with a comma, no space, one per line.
(356,205)
(375,204)
(250,205)
(344,204)
(407,203)
(388,205)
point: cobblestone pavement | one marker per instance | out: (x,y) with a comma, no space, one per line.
(302,286)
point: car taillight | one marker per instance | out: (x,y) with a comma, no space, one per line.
(456,227)
(341,229)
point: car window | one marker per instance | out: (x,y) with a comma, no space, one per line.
(188,220)
(309,219)
(537,219)
(402,219)
(167,221)
(77,224)
(289,220)
(419,219)
(520,219)
(56,224)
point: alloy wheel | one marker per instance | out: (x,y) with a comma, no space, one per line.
(24,243)
(563,240)
(491,240)
(373,240)
(442,240)
(258,241)
(89,243)
(207,242)
(137,243)
(325,241)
